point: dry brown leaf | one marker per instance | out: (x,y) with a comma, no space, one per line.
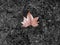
(30,21)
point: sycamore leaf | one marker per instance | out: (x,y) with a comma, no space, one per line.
(30,21)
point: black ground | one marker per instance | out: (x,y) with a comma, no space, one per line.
(11,16)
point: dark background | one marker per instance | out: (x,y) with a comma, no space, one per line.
(11,16)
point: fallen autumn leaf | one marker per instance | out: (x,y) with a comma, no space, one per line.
(30,21)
